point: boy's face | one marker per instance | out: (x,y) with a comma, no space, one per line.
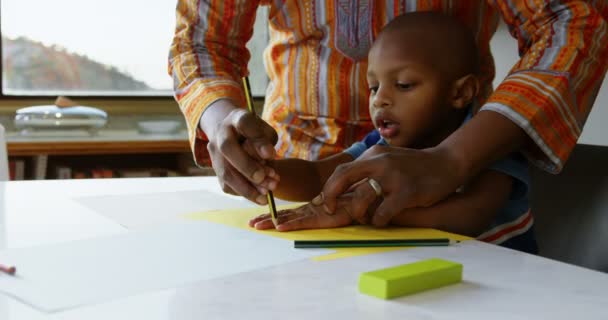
(408,97)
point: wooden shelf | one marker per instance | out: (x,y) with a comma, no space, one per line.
(96,147)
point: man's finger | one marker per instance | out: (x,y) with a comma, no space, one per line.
(235,181)
(270,132)
(354,186)
(272,178)
(344,204)
(249,148)
(265,146)
(363,197)
(229,190)
(262,136)
(389,207)
(219,167)
(232,150)
(342,178)
(231,181)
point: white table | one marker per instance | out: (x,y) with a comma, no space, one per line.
(498,283)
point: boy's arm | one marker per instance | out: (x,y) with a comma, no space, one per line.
(301,180)
(469,212)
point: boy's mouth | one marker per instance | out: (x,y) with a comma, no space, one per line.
(387,128)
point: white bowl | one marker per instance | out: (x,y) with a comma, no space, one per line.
(159,126)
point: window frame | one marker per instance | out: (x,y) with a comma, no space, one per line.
(4,98)
(117,104)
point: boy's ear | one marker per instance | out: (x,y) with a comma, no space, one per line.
(464,90)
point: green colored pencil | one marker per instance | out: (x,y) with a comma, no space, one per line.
(437,242)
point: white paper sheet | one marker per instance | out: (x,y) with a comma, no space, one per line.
(58,277)
(154,209)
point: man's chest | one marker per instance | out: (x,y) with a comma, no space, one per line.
(350,26)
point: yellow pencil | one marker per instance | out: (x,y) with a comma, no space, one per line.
(270,197)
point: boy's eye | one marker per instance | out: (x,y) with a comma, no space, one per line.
(405,86)
(373,89)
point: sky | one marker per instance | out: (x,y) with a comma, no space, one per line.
(132,35)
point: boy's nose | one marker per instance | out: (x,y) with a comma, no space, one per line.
(382,99)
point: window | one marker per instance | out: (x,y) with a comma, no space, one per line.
(99,48)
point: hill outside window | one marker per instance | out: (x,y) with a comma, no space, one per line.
(111,48)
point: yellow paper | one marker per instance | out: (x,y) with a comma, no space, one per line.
(239,218)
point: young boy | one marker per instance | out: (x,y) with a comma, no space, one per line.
(423,85)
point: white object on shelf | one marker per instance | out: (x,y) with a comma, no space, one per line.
(159,126)
(54,117)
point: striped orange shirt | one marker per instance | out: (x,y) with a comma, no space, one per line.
(317,98)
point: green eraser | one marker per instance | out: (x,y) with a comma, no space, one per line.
(410,278)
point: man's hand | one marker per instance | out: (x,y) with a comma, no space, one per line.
(408,178)
(239,144)
(420,178)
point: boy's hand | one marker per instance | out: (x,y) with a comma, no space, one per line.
(310,216)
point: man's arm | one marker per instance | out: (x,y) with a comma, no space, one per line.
(469,212)
(540,107)
(208,57)
(551,89)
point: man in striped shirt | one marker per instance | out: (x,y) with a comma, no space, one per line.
(317,98)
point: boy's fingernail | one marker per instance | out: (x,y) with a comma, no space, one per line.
(318,200)
(261,200)
(258,176)
(326,208)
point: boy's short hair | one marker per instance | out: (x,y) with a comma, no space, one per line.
(451,43)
